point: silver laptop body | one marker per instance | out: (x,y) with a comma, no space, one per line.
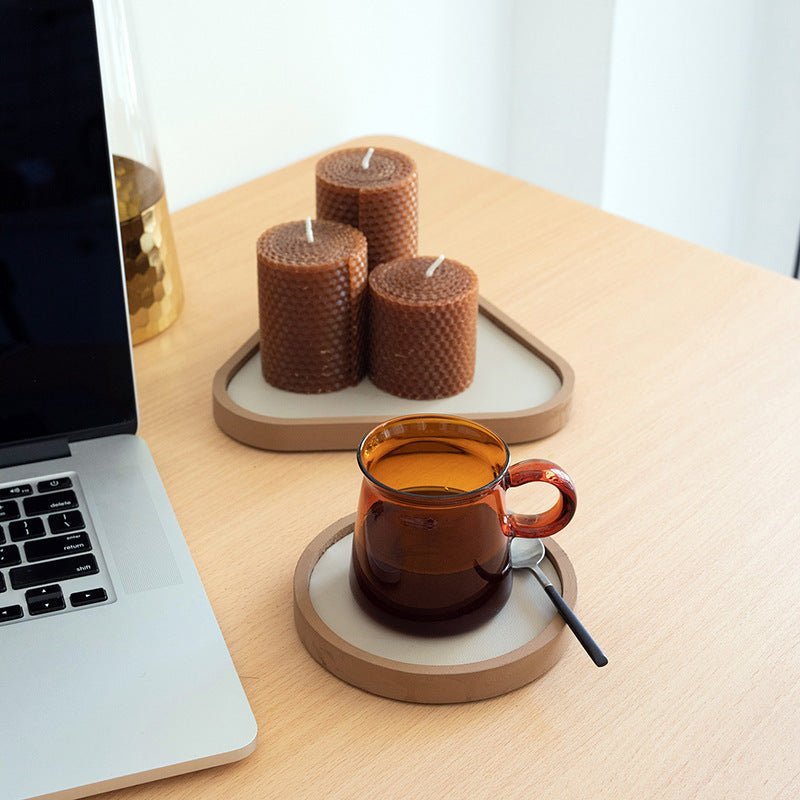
(113,670)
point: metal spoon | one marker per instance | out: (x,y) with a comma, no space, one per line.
(527,554)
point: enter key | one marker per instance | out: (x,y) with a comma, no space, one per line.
(57,546)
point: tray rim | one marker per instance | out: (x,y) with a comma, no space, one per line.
(343,433)
(421,683)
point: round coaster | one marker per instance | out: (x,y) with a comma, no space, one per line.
(518,645)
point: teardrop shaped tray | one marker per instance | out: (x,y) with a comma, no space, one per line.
(522,390)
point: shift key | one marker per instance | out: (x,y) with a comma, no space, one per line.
(45,503)
(62,569)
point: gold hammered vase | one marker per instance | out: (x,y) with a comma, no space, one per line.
(152,275)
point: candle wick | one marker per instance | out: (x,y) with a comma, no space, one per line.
(367,157)
(433,267)
(309,231)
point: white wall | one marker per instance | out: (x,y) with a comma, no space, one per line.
(703,136)
(768,212)
(683,115)
(559,94)
(240,88)
(678,112)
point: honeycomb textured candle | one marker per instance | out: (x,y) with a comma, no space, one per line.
(380,200)
(422,329)
(312,306)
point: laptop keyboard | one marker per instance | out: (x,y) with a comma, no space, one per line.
(50,559)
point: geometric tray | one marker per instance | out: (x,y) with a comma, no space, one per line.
(524,640)
(522,390)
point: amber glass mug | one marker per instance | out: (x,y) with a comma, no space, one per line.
(432,537)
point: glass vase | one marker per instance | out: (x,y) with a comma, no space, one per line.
(152,274)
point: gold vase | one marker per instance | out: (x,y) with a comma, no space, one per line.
(155,289)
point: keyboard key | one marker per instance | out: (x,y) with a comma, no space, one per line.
(44,600)
(57,546)
(42,504)
(10,612)
(68,521)
(9,510)
(2,537)
(54,485)
(87,598)
(24,529)
(2,583)
(12,492)
(9,556)
(63,569)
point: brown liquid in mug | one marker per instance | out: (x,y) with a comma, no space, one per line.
(424,568)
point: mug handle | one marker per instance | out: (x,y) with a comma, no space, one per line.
(535,526)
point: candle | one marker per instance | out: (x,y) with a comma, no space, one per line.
(312,292)
(423,324)
(375,190)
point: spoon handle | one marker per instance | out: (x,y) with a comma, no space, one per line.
(576,626)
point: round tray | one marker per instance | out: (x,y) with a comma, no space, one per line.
(518,645)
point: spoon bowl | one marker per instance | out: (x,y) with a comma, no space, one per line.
(526,553)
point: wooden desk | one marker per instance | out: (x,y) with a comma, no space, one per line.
(685,447)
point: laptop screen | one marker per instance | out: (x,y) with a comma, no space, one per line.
(65,365)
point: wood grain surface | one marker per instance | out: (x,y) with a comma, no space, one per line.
(684,443)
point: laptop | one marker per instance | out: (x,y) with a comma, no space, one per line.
(113,670)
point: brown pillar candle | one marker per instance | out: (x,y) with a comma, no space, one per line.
(375,190)
(423,325)
(312,292)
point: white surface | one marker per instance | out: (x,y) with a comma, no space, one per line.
(526,614)
(677,116)
(769,211)
(508,377)
(682,115)
(559,94)
(703,123)
(241,88)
